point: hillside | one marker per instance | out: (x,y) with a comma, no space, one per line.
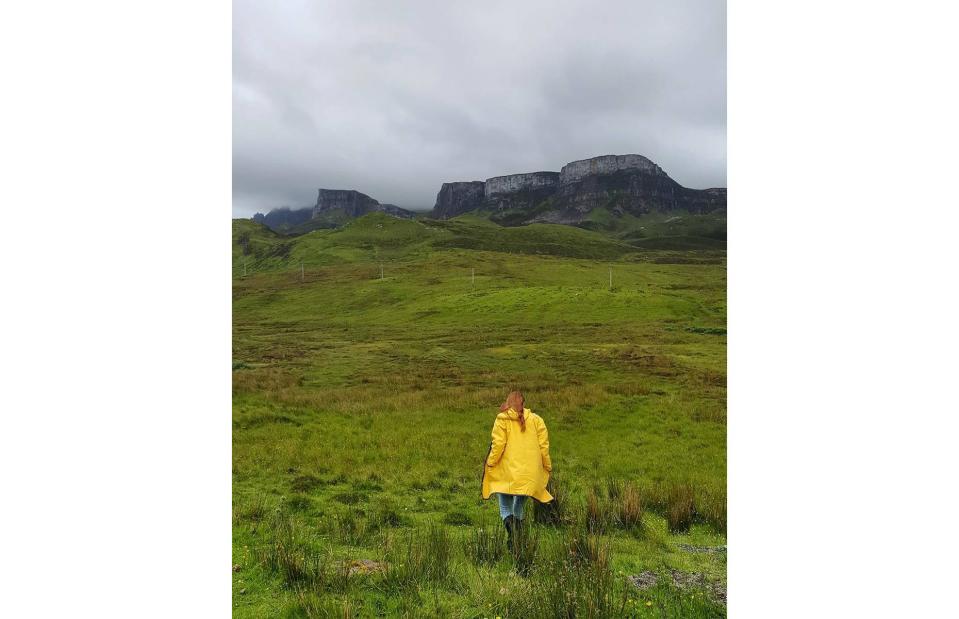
(365,385)
(378,236)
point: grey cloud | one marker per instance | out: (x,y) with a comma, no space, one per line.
(394,98)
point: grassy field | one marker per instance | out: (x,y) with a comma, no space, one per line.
(364,394)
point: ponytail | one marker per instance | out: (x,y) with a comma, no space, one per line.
(517,402)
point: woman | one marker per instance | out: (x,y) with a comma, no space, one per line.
(518,464)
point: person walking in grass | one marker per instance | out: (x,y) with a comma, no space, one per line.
(518,464)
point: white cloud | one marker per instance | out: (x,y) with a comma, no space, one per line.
(393,99)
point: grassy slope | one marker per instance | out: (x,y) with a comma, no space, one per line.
(360,401)
(675,230)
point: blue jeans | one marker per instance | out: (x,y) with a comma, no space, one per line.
(511,505)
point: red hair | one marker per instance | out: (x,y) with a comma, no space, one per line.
(517,402)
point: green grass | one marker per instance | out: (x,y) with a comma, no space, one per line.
(675,230)
(362,409)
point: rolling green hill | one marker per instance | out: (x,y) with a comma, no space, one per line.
(379,237)
(363,400)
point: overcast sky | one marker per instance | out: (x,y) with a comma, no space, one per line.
(394,98)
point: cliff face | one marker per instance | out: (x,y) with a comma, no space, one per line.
(352,203)
(576,171)
(334,207)
(285,218)
(630,183)
(534,181)
(519,191)
(457,198)
(623,183)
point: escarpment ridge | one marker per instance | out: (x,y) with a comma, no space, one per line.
(333,208)
(622,183)
(600,191)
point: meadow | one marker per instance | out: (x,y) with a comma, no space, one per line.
(368,365)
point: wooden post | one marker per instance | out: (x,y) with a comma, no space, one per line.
(473,278)
(381,270)
(244,268)
(610,279)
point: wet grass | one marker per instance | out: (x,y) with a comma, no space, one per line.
(362,409)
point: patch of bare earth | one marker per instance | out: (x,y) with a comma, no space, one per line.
(701,549)
(681,580)
(364,566)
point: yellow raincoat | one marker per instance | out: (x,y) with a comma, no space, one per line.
(518,462)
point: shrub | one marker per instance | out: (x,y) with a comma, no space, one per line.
(312,606)
(712,508)
(680,508)
(351,528)
(569,585)
(457,518)
(525,547)
(291,559)
(707,330)
(583,548)
(387,516)
(253,511)
(305,483)
(550,513)
(349,498)
(614,489)
(422,557)
(630,507)
(299,503)
(485,546)
(714,411)
(596,515)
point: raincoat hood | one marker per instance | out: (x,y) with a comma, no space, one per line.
(518,461)
(513,415)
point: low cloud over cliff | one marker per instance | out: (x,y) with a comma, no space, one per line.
(393,99)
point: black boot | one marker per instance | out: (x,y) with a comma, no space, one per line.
(508,523)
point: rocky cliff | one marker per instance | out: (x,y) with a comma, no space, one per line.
(457,198)
(519,191)
(352,203)
(284,218)
(534,181)
(576,171)
(622,183)
(333,208)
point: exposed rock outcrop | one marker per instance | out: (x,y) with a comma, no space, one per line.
(533,181)
(519,191)
(352,203)
(622,183)
(333,208)
(457,198)
(629,183)
(284,218)
(576,171)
